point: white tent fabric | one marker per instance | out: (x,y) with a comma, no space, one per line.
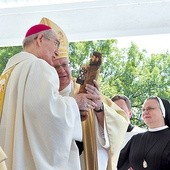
(86,19)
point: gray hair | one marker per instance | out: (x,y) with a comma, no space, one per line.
(28,40)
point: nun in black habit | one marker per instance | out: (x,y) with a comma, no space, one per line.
(149,150)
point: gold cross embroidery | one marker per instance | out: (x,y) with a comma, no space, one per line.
(3,83)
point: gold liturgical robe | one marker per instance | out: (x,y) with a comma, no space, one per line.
(116,124)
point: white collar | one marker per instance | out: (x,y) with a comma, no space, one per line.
(66,91)
(158,129)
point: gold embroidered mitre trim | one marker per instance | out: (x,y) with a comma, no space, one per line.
(63,48)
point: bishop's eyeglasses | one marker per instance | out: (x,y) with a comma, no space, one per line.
(56,42)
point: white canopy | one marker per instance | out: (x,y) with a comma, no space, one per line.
(86,19)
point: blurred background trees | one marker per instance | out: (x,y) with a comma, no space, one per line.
(129,71)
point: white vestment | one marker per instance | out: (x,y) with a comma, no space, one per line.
(39,126)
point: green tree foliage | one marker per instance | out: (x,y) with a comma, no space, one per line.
(130,71)
(6,53)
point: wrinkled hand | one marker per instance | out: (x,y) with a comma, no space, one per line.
(95,91)
(86,101)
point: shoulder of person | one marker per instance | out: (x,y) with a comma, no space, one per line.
(138,129)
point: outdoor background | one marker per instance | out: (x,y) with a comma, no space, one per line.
(133,71)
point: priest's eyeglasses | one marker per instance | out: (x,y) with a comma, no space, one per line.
(148,109)
(64,66)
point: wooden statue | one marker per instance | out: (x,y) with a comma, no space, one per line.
(88,74)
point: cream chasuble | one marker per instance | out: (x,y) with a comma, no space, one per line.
(104,152)
(39,126)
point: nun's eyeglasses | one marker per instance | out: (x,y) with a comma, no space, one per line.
(148,109)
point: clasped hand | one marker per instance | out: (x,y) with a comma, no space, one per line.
(89,100)
(94,90)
